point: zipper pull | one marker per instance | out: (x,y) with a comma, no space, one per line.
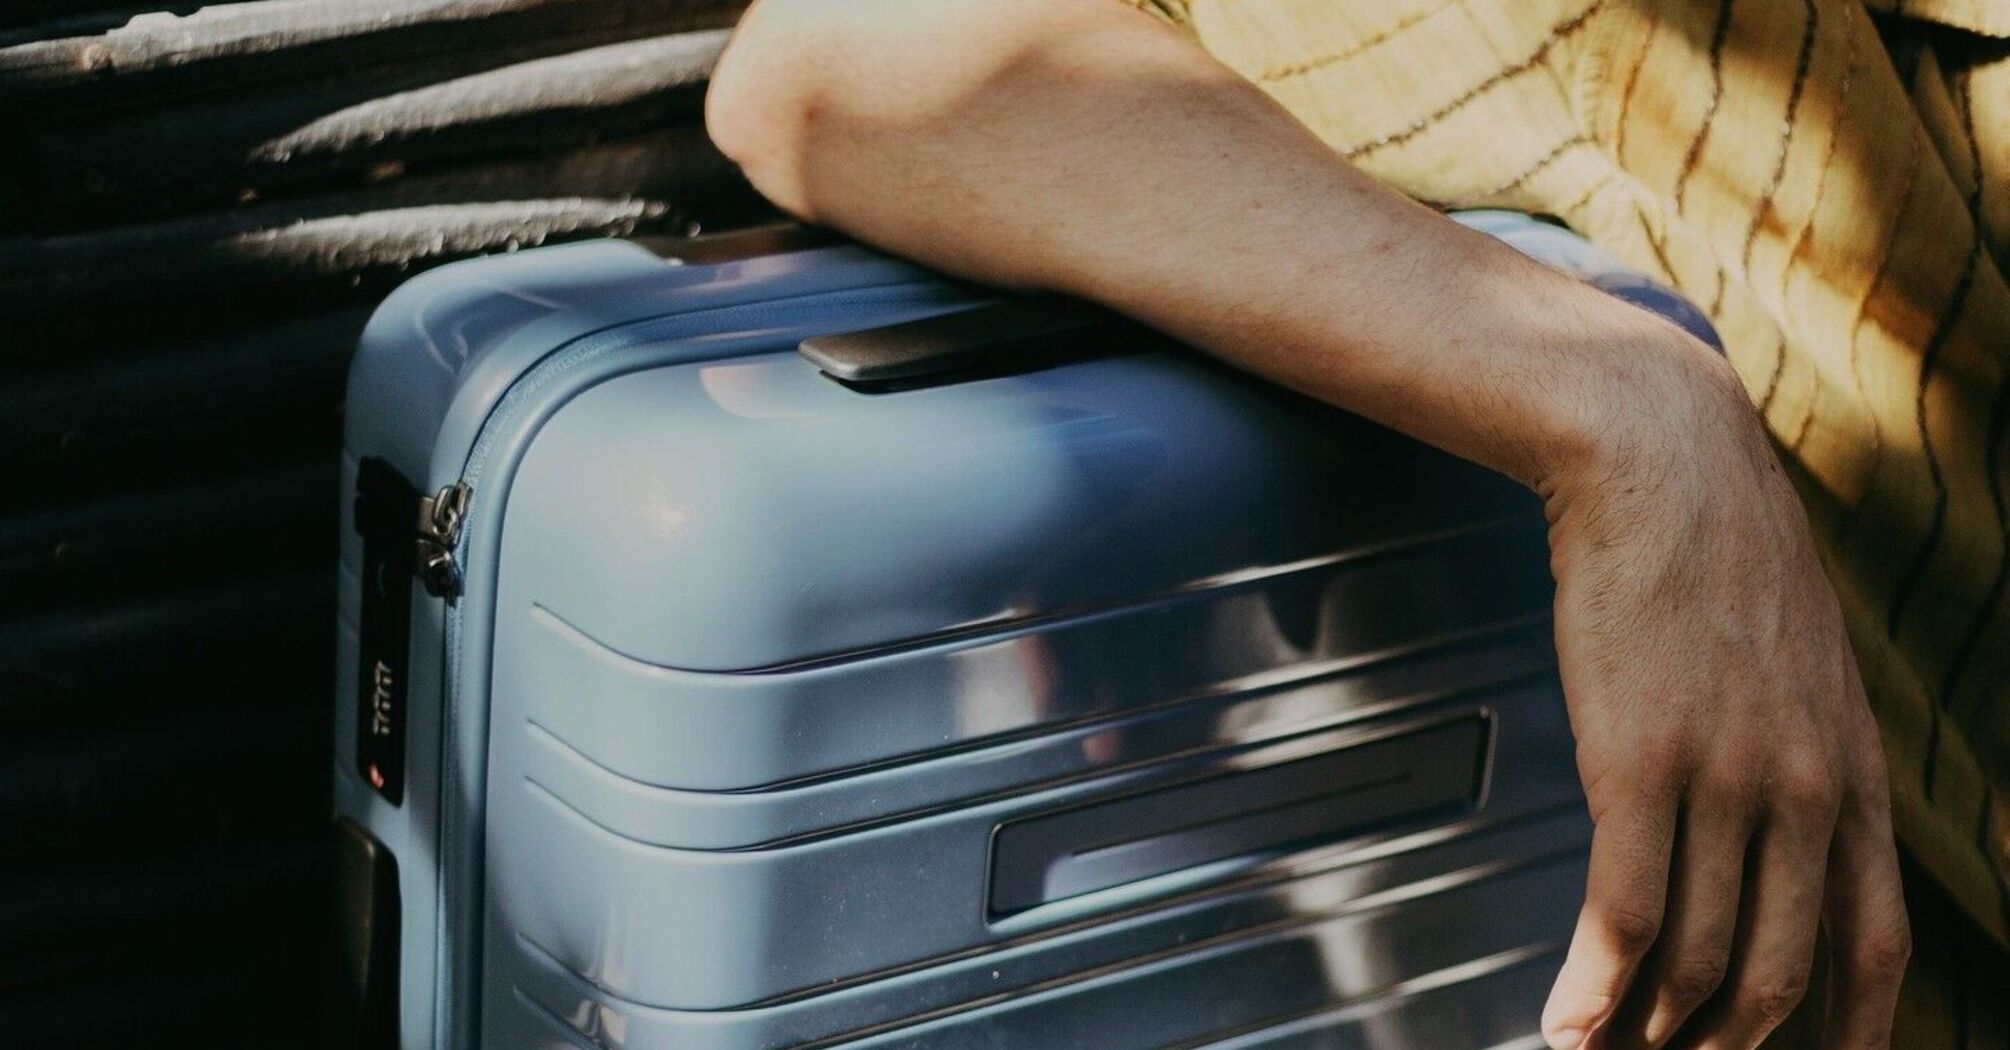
(439,528)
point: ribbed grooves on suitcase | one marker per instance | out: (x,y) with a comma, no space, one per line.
(591,753)
(1455,658)
(1508,528)
(1517,671)
(1517,620)
(1017,977)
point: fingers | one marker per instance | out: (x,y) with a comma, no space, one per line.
(1693,954)
(1776,942)
(1865,912)
(1625,897)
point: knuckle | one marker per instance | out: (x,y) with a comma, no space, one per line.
(1588,1006)
(1866,749)
(1882,955)
(1730,786)
(1808,787)
(1772,998)
(1674,754)
(1632,927)
(1867,795)
(1870,789)
(1663,765)
(1696,978)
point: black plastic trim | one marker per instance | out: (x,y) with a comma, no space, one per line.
(386,515)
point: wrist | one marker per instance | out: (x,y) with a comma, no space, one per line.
(1638,407)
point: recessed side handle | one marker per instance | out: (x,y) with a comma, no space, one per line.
(1435,771)
(1005,335)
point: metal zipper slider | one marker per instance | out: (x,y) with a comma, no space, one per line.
(440,517)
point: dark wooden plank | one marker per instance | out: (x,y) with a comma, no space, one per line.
(200,781)
(215,198)
(46,702)
(366,127)
(29,21)
(160,647)
(255,374)
(200,908)
(150,540)
(158,425)
(666,180)
(35,344)
(234,998)
(158,57)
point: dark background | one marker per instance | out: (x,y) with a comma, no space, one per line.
(198,207)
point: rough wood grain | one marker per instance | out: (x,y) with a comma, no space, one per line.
(157,56)
(254,371)
(661,181)
(178,536)
(90,944)
(214,152)
(155,637)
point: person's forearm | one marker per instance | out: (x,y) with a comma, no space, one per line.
(1730,762)
(1082,148)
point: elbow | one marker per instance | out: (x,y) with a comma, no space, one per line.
(808,90)
(740,122)
(757,107)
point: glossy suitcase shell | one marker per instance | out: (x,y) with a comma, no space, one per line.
(1117,701)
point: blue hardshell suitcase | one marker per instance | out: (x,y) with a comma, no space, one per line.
(981,673)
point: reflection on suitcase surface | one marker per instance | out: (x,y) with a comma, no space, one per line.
(1058,696)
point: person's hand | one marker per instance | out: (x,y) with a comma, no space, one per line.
(1733,769)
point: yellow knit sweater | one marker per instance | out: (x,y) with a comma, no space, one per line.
(1831,181)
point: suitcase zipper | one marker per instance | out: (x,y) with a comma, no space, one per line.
(443,515)
(439,530)
(440,539)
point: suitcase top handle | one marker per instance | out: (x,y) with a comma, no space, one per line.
(711,249)
(997,338)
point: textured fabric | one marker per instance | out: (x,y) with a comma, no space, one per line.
(1835,189)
